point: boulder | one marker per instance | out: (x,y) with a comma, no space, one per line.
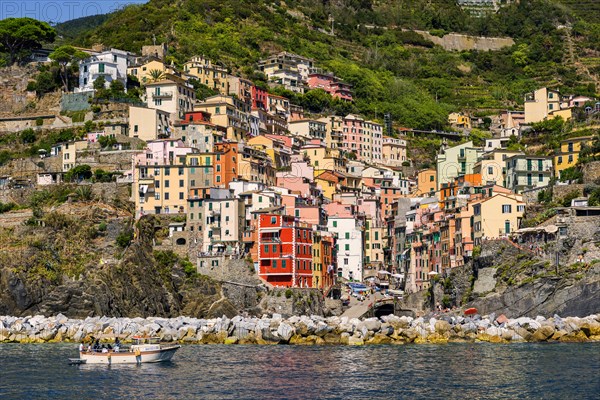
(285,331)
(442,326)
(543,333)
(231,340)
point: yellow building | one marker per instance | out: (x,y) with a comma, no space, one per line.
(69,153)
(334,131)
(545,104)
(459,120)
(254,165)
(164,187)
(328,182)
(228,112)
(323,158)
(496,216)
(208,73)
(142,71)
(279,154)
(568,155)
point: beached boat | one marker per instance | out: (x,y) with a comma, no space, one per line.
(145,350)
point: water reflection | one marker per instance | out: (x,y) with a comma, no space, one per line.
(474,371)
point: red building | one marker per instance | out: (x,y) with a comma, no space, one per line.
(284,253)
(196,116)
(260,98)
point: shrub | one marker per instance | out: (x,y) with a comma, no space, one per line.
(288,293)
(124,238)
(102,226)
(5,207)
(39,122)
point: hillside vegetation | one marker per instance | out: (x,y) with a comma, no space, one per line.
(392,68)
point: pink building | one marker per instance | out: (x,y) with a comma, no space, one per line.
(330,84)
(336,209)
(363,138)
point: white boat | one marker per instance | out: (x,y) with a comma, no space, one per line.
(145,350)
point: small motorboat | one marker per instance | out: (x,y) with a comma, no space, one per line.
(145,350)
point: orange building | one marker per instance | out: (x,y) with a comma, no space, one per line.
(226,159)
(426,182)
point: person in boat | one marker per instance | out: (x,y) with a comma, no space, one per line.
(81,347)
(108,346)
(89,348)
(104,349)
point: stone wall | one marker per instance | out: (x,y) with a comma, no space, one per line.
(459,42)
(109,191)
(560,191)
(591,172)
(75,101)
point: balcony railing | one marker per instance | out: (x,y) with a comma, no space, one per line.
(162,95)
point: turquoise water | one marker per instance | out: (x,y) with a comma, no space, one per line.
(454,371)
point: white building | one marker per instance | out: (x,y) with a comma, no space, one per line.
(111,64)
(350,246)
(172,95)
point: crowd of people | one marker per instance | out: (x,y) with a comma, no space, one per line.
(95,346)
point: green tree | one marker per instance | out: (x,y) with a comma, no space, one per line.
(28,136)
(100,83)
(65,56)
(117,89)
(18,36)
(79,173)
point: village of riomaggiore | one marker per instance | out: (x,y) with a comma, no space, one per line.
(300,199)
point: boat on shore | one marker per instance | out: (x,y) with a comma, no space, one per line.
(145,350)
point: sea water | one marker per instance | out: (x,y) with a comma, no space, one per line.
(452,371)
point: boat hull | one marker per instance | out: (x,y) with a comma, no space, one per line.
(153,356)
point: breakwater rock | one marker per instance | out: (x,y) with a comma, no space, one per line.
(304,330)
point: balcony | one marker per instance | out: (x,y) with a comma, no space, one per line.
(163,95)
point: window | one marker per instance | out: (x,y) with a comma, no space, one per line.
(266,248)
(347,247)
(431,178)
(345,261)
(506,209)
(540,177)
(156,196)
(335,224)
(167,171)
(157,184)
(274,265)
(135,128)
(520,208)
(180,195)
(347,235)
(180,171)
(167,183)
(101,68)
(181,183)
(273,220)
(570,158)
(490,170)
(283,262)
(559,159)
(550,106)
(274,248)
(227,204)
(540,165)
(166,196)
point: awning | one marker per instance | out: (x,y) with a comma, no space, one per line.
(399,276)
(279,108)
(432,273)
(269,230)
(383,284)
(405,251)
(384,272)
(143,189)
(551,229)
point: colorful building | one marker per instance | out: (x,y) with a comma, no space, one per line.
(284,256)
